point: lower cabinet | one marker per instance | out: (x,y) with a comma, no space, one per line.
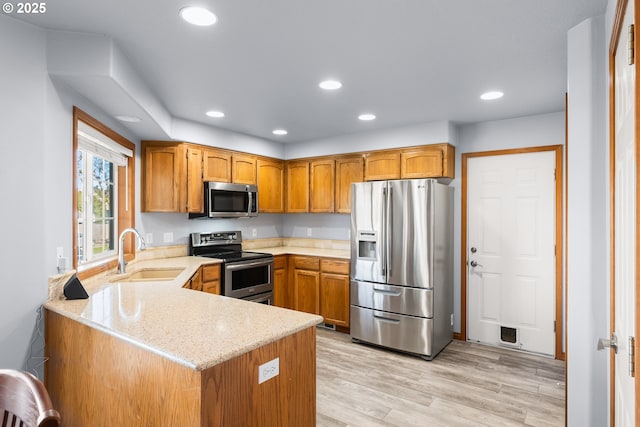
(282,297)
(206,279)
(319,286)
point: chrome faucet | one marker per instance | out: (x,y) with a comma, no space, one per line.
(141,246)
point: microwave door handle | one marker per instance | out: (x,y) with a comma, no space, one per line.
(250,200)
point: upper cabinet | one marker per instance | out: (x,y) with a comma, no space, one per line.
(432,161)
(163,168)
(195,186)
(349,169)
(173,175)
(427,161)
(297,179)
(322,174)
(217,165)
(270,185)
(381,165)
(243,168)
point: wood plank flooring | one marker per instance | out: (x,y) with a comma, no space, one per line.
(466,385)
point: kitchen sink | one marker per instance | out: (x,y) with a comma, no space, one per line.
(150,275)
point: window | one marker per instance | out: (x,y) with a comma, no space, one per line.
(103,194)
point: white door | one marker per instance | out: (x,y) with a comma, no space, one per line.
(511,250)
(624,226)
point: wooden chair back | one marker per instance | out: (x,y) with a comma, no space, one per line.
(25,402)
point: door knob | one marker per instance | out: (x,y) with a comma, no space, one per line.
(475,264)
(612,343)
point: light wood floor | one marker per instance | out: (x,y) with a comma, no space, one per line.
(466,385)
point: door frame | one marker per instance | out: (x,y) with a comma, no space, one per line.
(621,8)
(559,354)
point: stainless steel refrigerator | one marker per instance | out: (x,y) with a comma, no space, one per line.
(402,265)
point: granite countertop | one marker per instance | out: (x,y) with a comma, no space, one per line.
(193,328)
(308,251)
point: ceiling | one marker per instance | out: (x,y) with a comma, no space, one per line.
(406,61)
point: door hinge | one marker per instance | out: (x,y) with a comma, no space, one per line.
(554,326)
(631,45)
(632,357)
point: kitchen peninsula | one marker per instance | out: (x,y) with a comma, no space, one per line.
(152,353)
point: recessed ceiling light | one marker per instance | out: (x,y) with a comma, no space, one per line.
(367,117)
(128,119)
(330,85)
(280,132)
(198,16)
(488,96)
(215,114)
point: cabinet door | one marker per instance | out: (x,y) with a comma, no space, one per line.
(322,185)
(195,282)
(270,185)
(421,163)
(306,284)
(282,295)
(382,165)
(217,165)
(211,279)
(162,175)
(297,186)
(195,187)
(348,170)
(334,298)
(243,170)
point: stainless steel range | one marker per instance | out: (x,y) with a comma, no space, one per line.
(245,275)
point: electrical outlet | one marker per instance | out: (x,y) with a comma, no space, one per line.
(254,232)
(148,238)
(309,232)
(168,237)
(268,370)
(59,252)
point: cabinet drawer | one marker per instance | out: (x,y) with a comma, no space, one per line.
(334,266)
(280,261)
(396,299)
(407,333)
(306,263)
(210,273)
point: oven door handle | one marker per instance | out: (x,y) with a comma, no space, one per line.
(244,265)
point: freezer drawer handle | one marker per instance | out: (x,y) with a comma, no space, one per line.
(386,292)
(386,319)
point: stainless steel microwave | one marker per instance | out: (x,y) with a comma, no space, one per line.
(226,200)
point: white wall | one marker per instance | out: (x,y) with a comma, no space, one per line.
(36,135)
(587,209)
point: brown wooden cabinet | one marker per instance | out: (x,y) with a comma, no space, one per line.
(381,165)
(431,161)
(349,169)
(205,279)
(321,286)
(270,185)
(163,169)
(217,165)
(282,295)
(306,283)
(297,178)
(211,278)
(243,170)
(334,291)
(322,173)
(195,187)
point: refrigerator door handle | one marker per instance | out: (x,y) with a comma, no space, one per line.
(388,224)
(383,236)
